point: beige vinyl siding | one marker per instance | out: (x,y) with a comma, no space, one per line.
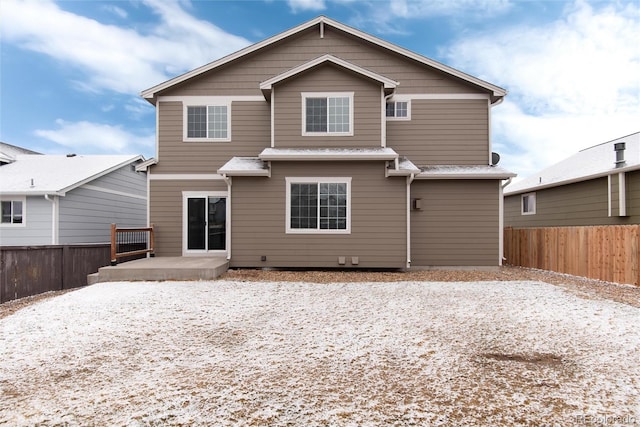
(366,108)
(250,133)
(243,76)
(443,132)
(165,203)
(378,219)
(579,204)
(457,225)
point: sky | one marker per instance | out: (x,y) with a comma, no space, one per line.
(71,72)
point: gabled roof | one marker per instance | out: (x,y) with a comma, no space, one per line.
(267,85)
(497,92)
(56,174)
(590,163)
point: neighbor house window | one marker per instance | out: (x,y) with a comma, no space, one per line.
(529,204)
(207,123)
(12,212)
(318,205)
(398,110)
(327,114)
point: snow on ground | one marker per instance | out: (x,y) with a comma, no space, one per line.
(352,354)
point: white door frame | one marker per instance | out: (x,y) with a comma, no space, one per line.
(186,195)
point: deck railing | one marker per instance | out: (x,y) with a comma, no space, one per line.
(126,242)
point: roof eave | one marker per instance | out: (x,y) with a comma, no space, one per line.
(571,181)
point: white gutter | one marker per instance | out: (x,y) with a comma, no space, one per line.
(228,180)
(54,218)
(622,195)
(508,182)
(410,179)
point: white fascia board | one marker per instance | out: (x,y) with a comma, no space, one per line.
(387,82)
(471,175)
(142,167)
(150,93)
(307,155)
(248,172)
(571,181)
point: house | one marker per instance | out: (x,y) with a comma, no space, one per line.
(57,199)
(599,185)
(9,152)
(326,147)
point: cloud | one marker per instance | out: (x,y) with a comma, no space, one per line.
(112,58)
(431,8)
(304,5)
(116,11)
(390,17)
(572,83)
(98,138)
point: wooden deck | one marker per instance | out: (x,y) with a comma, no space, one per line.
(163,268)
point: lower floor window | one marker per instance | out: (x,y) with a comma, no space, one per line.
(319,205)
(12,212)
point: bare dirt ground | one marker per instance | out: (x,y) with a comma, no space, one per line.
(326,349)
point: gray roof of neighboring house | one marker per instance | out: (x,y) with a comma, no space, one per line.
(56,174)
(590,163)
(9,152)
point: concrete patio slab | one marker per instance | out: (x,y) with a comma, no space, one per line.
(163,268)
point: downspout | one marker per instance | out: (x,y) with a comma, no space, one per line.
(410,179)
(228,225)
(384,117)
(54,218)
(501,221)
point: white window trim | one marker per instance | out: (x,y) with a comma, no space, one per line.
(535,203)
(205,102)
(315,180)
(394,118)
(24,211)
(306,95)
(186,195)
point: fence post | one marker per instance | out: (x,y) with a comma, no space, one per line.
(152,241)
(114,260)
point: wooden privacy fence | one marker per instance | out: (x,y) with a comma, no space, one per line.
(128,242)
(607,252)
(31,270)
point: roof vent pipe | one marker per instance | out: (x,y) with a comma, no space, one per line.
(619,148)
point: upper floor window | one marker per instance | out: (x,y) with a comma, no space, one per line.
(398,110)
(327,113)
(12,212)
(529,204)
(207,123)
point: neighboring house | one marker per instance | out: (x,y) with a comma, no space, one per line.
(326,147)
(58,199)
(9,152)
(597,186)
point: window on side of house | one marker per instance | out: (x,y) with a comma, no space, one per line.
(208,123)
(12,212)
(327,114)
(529,204)
(318,205)
(399,110)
